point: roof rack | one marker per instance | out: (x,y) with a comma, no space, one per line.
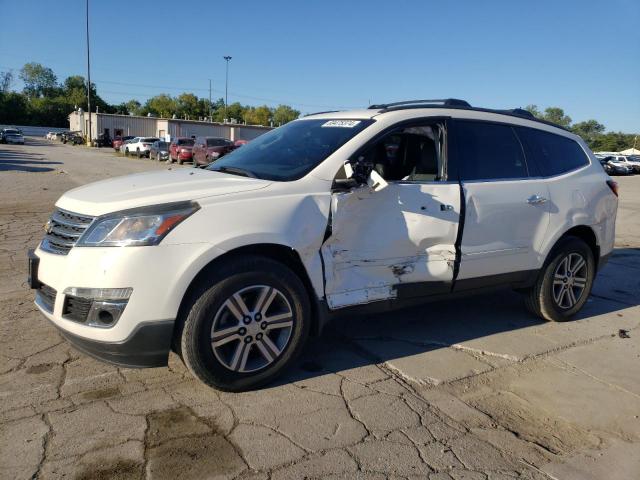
(461,105)
(320,113)
(447,102)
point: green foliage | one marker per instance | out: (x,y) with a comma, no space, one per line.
(283,114)
(38,80)
(591,131)
(45,102)
(557,116)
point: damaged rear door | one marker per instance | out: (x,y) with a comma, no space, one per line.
(392,243)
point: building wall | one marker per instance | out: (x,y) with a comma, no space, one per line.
(155,127)
(127,124)
(182,128)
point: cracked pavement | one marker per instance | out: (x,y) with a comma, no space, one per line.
(467,389)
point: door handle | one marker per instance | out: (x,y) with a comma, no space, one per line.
(446,208)
(536,200)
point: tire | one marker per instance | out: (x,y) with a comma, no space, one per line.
(158,158)
(138,153)
(126,152)
(559,301)
(227,367)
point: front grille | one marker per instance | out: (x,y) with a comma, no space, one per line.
(63,231)
(76,308)
(46,297)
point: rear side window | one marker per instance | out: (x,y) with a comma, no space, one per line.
(185,141)
(485,151)
(551,154)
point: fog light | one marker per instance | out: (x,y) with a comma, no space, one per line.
(96,307)
(105,313)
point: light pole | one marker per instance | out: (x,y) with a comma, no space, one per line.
(226,86)
(88,77)
(210,110)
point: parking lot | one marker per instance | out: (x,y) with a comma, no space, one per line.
(467,389)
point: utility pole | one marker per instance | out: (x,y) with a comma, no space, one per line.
(210,109)
(88,77)
(226,86)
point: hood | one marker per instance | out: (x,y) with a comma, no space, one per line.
(153,188)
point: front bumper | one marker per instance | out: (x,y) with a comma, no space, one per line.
(158,276)
(147,346)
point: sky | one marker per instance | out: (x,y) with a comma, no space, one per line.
(581,55)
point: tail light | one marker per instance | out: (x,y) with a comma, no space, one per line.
(613,186)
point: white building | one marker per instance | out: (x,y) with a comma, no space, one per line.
(119,125)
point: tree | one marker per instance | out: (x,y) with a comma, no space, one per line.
(38,80)
(283,114)
(6,79)
(556,115)
(534,110)
(258,115)
(235,111)
(133,107)
(588,130)
(162,105)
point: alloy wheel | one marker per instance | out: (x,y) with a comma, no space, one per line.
(252,328)
(570,280)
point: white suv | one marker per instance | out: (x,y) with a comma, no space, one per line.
(140,146)
(233,266)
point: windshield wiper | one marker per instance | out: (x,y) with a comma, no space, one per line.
(235,171)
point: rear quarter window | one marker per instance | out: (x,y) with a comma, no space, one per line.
(551,154)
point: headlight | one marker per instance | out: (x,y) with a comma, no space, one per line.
(136,227)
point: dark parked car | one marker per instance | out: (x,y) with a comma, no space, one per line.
(74,138)
(209,149)
(159,150)
(180,150)
(118,141)
(103,140)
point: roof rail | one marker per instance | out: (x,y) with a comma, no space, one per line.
(320,113)
(446,102)
(461,105)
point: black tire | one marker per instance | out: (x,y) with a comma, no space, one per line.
(126,152)
(210,296)
(540,299)
(138,153)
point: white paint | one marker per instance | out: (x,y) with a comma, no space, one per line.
(384,234)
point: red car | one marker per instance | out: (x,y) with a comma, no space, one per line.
(118,141)
(209,149)
(180,150)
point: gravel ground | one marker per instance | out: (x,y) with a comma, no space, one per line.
(471,389)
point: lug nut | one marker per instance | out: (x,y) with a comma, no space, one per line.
(259,336)
(248,339)
(258,317)
(263,325)
(242,331)
(246,320)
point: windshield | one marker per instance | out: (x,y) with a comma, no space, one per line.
(293,150)
(12,132)
(186,141)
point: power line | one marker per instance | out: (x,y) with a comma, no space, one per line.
(220,92)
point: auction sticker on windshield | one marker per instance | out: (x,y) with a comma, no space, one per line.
(341,123)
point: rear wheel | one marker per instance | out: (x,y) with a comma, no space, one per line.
(126,152)
(246,324)
(138,154)
(564,283)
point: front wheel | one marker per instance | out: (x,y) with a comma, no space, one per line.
(246,324)
(564,283)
